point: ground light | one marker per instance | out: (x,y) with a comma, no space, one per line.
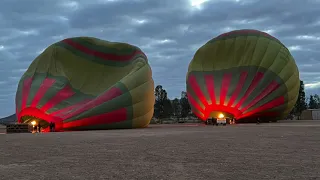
(221,115)
(33,123)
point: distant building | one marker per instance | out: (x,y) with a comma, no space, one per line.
(310,114)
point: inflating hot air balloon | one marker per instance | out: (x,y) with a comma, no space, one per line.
(243,74)
(86,83)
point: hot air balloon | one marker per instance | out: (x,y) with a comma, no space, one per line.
(85,83)
(243,74)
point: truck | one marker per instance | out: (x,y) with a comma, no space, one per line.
(221,120)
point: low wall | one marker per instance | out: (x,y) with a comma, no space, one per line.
(2,129)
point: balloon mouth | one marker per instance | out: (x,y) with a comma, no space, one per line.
(220,111)
(34,121)
(220,114)
(35,116)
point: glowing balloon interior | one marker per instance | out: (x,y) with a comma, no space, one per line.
(243,74)
(85,83)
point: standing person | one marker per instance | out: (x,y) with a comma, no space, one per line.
(50,126)
(39,128)
(53,127)
(258,120)
(34,128)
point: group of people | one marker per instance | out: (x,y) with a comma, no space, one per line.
(37,128)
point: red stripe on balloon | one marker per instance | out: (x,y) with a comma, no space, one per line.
(194,103)
(199,115)
(236,92)
(63,94)
(66,110)
(269,89)
(107,96)
(197,90)
(252,86)
(210,88)
(38,114)
(265,114)
(107,118)
(25,92)
(224,87)
(45,85)
(272,104)
(222,108)
(102,55)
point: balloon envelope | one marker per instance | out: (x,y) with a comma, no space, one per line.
(86,83)
(243,74)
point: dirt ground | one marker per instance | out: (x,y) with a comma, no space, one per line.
(285,150)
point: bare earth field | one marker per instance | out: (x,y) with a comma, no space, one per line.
(284,150)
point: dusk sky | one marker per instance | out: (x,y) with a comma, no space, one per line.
(168,31)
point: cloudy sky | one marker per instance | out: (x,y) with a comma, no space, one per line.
(168,31)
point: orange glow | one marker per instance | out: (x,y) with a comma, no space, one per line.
(221,115)
(203,106)
(33,123)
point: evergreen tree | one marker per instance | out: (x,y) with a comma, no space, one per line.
(185,106)
(317,100)
(312,103)
(301,101)
(176,106)
(162,106)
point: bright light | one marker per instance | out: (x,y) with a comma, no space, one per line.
(221,115)
(197,3)
(295,48)
(33,123)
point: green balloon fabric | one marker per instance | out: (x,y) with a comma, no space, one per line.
(243,74)
(85,83)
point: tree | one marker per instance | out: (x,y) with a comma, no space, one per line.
(317,100)
(162,106)
(159,96)
(185,106)
(312,103)
(167,108)
(301,101)
(176,107)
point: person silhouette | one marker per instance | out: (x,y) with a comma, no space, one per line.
(50,126)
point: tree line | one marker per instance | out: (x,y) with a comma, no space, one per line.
(303,103)
(165,108)
(180,107)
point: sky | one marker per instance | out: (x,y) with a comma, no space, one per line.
(168,31)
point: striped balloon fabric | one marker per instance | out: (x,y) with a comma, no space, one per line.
(85,83)
(244,74)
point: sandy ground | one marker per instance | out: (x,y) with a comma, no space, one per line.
(239,152)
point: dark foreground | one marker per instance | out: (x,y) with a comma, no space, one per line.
(265,151)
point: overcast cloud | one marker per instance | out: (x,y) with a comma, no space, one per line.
(168,31)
